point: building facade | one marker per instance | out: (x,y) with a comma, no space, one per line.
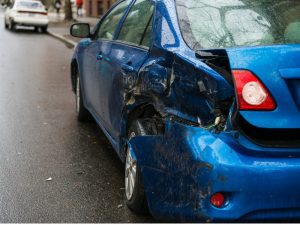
(96,8)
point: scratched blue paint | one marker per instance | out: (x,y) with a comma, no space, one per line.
(183,167)
(181,174)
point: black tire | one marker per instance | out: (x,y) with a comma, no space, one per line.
(137,202)
(12,26)
(82,113)
(5,24)
(44,29)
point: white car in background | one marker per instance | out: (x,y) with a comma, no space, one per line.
(26,13)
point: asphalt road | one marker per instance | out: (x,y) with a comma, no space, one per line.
(41,138)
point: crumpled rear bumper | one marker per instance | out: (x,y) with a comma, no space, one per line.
(185,166)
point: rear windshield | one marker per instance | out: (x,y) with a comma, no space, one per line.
(232,23)
(29,5)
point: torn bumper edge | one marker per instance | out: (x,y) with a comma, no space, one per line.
(184,167)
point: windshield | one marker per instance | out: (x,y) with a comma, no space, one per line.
(232,23)
(29,5)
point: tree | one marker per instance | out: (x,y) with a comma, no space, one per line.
(68,10)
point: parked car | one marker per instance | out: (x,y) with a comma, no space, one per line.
(201,100)
(26,13)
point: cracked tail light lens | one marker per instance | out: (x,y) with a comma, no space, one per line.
(251,92)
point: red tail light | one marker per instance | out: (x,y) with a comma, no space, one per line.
(251,92)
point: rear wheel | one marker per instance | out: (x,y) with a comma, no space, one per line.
(44,29)
(134,189)
(5,24)
(82,113)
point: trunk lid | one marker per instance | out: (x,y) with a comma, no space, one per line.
(278,67)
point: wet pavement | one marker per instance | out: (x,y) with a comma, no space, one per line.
(40,138)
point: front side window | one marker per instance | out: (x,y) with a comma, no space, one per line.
(137,27)
(111,21)
(233,23)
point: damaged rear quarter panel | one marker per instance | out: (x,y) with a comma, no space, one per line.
(176,80)
(177,84)
(180,170)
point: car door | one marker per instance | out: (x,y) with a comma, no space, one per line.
(92,59)
(89,78)
(122,59)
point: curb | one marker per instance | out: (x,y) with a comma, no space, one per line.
(68,42)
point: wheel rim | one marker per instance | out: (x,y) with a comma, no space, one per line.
(130,173)
(77,94)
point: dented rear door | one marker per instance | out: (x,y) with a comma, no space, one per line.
(123,60)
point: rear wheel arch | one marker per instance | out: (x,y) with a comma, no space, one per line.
(136,126)
(142,111)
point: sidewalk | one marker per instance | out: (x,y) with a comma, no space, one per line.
(60,29)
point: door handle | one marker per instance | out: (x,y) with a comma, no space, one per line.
(127,68)
(99,56)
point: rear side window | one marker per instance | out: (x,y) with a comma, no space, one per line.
(111,21)
(29,5)
(137,27)
(235,23)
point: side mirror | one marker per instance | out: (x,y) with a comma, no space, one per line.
(80,30)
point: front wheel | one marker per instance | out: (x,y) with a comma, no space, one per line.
(134,189)
(82,112)
(12,25)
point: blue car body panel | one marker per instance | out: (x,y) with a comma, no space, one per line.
(193,159)
(278,67)
(121,62)
(182,173)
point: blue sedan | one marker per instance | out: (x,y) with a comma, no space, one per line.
(201,101)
